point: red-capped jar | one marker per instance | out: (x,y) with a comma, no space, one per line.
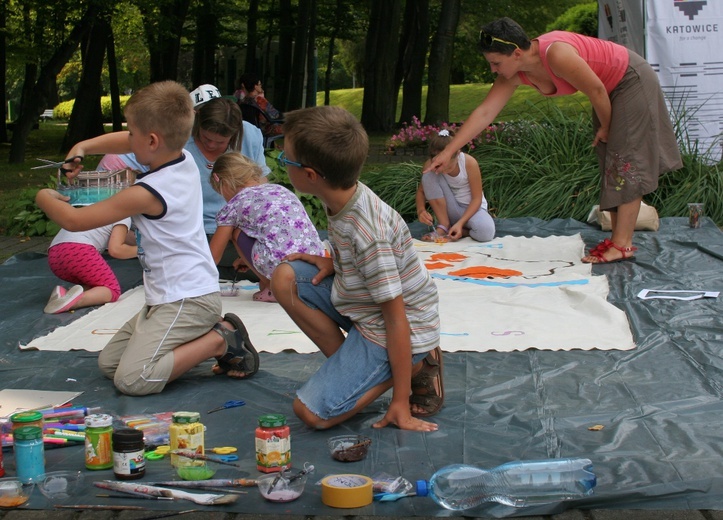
(273,443)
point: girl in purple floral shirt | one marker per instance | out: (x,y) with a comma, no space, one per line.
(267,222)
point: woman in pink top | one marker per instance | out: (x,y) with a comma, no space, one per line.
(634,137)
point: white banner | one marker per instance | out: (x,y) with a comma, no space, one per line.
(684,41)
(679,38)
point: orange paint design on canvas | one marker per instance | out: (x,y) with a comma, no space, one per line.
(448,257)
(437,265)
(482,271)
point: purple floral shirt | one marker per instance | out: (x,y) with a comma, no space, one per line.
(275,217)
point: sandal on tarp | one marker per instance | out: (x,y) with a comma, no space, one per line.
(264,296)
(597,253)
(240,356)
(428,385)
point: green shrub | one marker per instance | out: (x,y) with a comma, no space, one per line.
(28,219)
(63,110)
(581,18)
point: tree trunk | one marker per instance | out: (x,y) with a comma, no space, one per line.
(204,48)
(330,56)
(3,73)
(413,54)
(252,38)
(298,66)
(379,106)
(440,63)
(311,59)
(115,106)
(34,102)
(86,120)
(283,65)
(163,25)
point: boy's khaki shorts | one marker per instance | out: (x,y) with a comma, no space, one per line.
(139,357)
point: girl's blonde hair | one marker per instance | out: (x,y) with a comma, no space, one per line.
(437,142)
(235,171)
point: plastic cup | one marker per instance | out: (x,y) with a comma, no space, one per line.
(695,212)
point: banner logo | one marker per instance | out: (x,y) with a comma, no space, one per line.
(690,8)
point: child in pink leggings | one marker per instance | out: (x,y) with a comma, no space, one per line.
(77,258)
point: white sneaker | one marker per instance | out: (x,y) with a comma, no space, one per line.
(62,300)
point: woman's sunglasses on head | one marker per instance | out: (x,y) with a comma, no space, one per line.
(487,40)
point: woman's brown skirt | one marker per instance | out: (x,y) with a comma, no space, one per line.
(641,143)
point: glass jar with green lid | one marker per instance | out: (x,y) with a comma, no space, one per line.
(27,418)
(186,433)
(273,443)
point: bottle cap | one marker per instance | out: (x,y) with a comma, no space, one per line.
(422,488)
(27,433)
(26,417)
(100,420)
(185,417)
(127,437)
(272,420)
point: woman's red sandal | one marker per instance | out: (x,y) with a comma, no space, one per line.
(598,252)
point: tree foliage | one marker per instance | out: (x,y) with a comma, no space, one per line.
(295,46)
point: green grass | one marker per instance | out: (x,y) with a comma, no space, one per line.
(465,98)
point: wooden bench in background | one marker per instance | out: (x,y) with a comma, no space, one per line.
(48,114)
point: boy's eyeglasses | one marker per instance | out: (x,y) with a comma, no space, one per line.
(284,161)
(487,40)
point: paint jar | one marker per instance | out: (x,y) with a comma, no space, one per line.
(129,462)
(186,432)
(273,443)
(98,441)
(695,212)
(29,452)
(28,418)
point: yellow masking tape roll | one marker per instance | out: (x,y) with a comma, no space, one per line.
(346,491)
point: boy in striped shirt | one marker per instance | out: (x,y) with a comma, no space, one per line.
(374,287)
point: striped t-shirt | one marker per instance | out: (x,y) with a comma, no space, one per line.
(374,262)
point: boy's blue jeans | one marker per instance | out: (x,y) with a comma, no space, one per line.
(358,366)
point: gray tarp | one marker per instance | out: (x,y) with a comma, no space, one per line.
(660,404)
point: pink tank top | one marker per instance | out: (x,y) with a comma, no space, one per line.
(608,60)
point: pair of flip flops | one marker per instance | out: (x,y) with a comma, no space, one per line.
(240,356)
(428,385)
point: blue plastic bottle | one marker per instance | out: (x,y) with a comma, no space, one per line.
(517,484)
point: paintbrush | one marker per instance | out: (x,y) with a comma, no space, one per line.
(111,508)
(136,495)
(206,499)
(166,515)
(214,482)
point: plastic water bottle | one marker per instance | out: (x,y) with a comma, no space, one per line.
(517,484)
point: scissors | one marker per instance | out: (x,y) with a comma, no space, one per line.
(227,453)
(158,453)
(227,404)
(57,164)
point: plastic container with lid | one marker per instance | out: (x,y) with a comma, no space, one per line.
(273,443)
(27,418)
(29,452)
(98,441)
(129,462)
(186,433)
